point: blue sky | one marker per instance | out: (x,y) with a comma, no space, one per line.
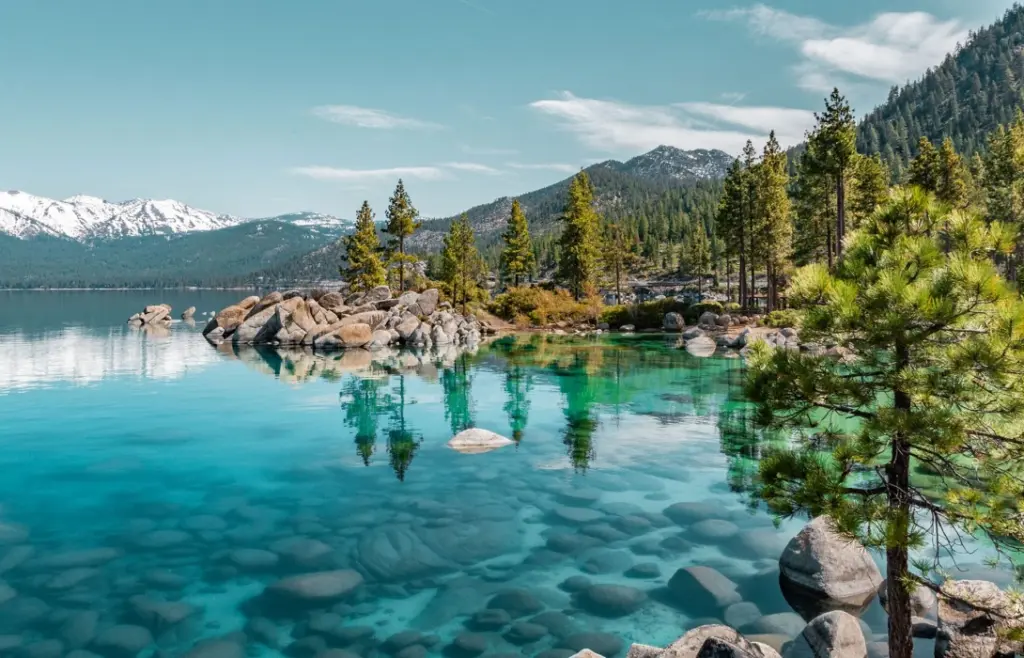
(259,107)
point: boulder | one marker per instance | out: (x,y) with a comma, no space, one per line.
(427,301)
(474,440)
(708,318)
(246,332)
(272,299)
(627,328)
(693,332)
(318,331)
(835,634)
(643,651)
(922,599)
(377,294)
(439,337)
(690,644)
(345,336)
(249,302)
(318,588)
(830,566)
(159,313)
(189,312)
(717,648)
(407,326)
(375,319)
(227,320)
(408,298)
(332,301)
(612,601)
(965,631)
(702,346)
(700,588)
(723,320)
(673,322)
(122,641)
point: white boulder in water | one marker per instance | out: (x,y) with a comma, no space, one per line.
(475,440)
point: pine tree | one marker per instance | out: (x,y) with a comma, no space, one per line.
(578,257)
(362,251)
(773,207)
(813,212)
(517,260)
(462,266)
(619,257)
(751,228)
(937,346)
(951,183)
(402,223)
(834,140)
(730,220)
(924,169)
(870,188)
(695,256)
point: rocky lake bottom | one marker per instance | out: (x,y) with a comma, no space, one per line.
(162,497)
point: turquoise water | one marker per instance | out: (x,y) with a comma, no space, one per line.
(154,482)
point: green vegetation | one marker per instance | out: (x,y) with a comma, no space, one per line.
(517,259)
(402,223)
(539,306)
(462,267)
(579,247)
(783,318)
(362,250)
(938,338)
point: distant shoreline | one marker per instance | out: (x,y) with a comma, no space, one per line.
(322,284)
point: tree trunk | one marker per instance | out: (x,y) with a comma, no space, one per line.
(728,279)
(828,244)
(618,284)
(401,264)
(840,212)
(901,643)
(743,268)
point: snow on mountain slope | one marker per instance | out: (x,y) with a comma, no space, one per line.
(671,162)
(84,218)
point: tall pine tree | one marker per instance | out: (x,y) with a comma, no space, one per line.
(937,346)
(402,223)
(517,260)
(362,251)
(619,256)
(834,140)
(462,267)
(774,206)
(578,256)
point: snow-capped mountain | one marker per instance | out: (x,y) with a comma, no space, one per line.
(671,162)
(87,218)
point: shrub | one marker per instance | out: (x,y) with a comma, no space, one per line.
(646,315)
(782,318)
(694,312)
(538,306)
(732,308)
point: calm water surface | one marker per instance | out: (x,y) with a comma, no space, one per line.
(153,481)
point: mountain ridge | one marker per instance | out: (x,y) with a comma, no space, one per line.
(85,218)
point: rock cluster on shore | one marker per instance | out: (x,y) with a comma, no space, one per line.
(371,320)
(153,315)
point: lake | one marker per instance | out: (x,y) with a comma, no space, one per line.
(155,485)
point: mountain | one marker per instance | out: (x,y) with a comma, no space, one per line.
(229,256)
(965,97)
(670,162)
(88,218)
(664,181)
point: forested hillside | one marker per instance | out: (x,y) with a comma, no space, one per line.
(964,98)
(226,257)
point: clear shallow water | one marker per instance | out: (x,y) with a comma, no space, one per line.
(147,468)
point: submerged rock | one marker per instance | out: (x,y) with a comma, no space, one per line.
(474,441)
(611,600)
(315,588)
(835,634)
(831,566)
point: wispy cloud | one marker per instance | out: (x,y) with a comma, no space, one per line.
(546,166)
(891,48)
(365,117)
(474,167)
(732,96)
(473,150)
(340,174)
(613,126)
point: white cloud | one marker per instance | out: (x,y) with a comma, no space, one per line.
(891,48)
(613,126)
(546,166)
(339,174)
(365,117)
(733,96)
(474,167)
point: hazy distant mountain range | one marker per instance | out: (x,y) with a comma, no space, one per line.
(88,218)
(85,241)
